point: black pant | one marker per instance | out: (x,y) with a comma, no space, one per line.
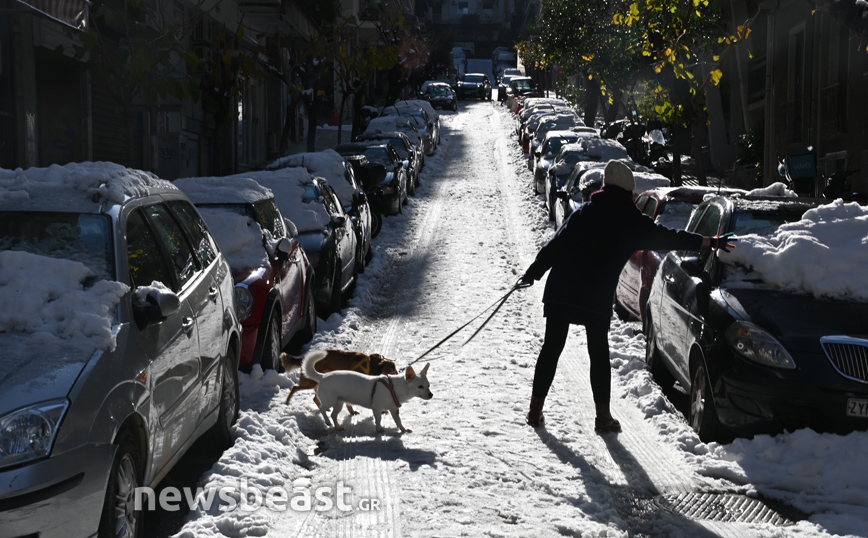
(598,349)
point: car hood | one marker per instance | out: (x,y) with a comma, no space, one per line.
(39,367)
(797,320)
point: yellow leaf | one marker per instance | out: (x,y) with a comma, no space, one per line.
(716,75)
(716,58)
(634,10)
(698,14)
(690,75)
(750,55)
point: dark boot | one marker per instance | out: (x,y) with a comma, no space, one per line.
(535,415)
(604,422)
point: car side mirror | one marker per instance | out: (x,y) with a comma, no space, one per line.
(562,194)
(157,306)
(283,249)
(339,219)
(693,267)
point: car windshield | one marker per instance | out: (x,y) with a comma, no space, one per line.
(379,155)
(523,84)
(762,224)
(79,237)
(473,78)
(439,90)
(400,148)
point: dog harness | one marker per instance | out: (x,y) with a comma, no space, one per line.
(363,366)
(387,380)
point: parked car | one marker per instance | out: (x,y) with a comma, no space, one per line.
(520,88)
(388,124)
(339,173)
(671,207)
(382,171)
(323,227)
(476,86)
(557,173)
(502,85)
(274,296)
(406,151)
(557,122)
(753,358)
(428,126)
(440,95)
(121,349)
(569,197)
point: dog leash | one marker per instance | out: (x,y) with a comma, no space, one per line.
(498,303)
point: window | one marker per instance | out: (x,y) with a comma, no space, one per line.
(206,247)
(708,225)
(147,264)
(270,219)
(651,207)
(181,257)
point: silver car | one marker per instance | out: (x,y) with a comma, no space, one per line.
(122,351)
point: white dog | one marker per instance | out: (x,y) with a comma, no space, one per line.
(380,393)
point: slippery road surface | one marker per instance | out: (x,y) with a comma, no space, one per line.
(471,466)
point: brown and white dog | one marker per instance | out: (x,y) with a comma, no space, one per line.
(336,359)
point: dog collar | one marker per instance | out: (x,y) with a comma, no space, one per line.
(387,381)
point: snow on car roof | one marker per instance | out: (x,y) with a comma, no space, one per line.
(419,103)
(394,123)
(775,189)
(327,163)
(823,253)
(288,186)
(216,190)
(54,186)
(698,191)
(603,149)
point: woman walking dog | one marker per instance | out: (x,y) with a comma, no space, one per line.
(586,256)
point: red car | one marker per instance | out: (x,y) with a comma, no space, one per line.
(274,292)
(671,207)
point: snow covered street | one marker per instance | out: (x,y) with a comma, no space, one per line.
(471,466)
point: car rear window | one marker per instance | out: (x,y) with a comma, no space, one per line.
(80,237)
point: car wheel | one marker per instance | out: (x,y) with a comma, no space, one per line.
(306,334)
(221,432)
(653,359)
(622,313)
(270,359)
(376,223)
(119,515)
(411,187)
(335,299)
(703,414)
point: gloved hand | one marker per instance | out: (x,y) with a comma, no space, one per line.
(523,282)
(723,242)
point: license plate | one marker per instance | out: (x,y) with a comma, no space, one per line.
(857,408)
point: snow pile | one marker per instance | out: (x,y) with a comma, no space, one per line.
(240,238)
(777,189)
(109,180)
(219,190)
(824,254)
(51,301)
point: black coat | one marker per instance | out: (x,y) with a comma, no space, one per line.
(588,252)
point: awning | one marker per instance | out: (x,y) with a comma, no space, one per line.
(70,12)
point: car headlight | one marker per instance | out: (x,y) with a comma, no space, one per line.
(244,302)
(757,345)
(29,433)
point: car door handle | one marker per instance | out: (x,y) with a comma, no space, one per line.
(187,325)
(213,293)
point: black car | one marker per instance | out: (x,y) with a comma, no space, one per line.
(476,86)
(440,95)
(406,150)
(754,359)
(382,172)
(339,173)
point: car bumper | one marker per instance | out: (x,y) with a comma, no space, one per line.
(61,496)
(249,334)
(752,399)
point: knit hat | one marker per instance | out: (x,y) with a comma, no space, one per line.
(619,175)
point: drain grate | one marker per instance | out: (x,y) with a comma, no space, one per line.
(730,507)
